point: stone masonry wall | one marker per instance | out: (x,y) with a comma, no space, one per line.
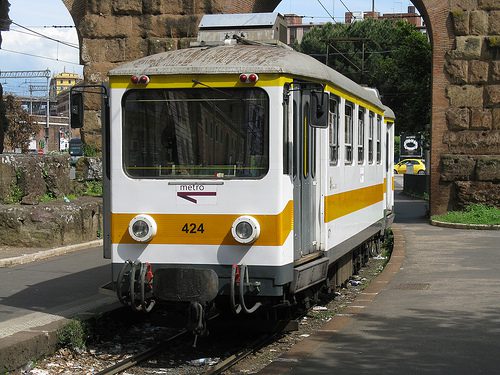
(465,78)
(114,31)
(33,211)
(470,165)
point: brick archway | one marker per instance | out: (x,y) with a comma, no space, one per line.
(465,148)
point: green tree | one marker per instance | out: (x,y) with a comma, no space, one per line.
(21,128)
(396,60)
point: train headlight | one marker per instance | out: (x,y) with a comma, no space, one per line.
(245,229)
(142,228)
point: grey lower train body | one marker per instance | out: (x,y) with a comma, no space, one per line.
(206,282)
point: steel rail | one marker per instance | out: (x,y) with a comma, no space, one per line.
(235,358)
(140,357)
(252,348)
(146,354)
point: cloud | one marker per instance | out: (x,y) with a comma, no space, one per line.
(19,40)
(57,57)
(34,14)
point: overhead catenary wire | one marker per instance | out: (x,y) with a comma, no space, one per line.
(56,27)
(37,36)
(345,6)
(353,53)
(326,10)
(38,56)
(50,26)
(345,57)
(322,17)
(45,36)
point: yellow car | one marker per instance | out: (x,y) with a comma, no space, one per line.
(402,167)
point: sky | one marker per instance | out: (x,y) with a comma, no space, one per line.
(317,13)
(23,50)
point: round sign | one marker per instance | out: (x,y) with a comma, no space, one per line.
(410,144)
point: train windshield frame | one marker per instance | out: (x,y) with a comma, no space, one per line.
(196,133)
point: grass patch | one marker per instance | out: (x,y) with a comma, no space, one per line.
(15,194)
(473,214)
(47,197)
(93,188)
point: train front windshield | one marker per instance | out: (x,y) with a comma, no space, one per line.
(196,133)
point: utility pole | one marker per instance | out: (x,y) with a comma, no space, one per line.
(363,62)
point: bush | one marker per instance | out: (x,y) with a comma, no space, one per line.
(89,150)
(73,335)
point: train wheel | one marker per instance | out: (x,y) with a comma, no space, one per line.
(365,251)
(375,246)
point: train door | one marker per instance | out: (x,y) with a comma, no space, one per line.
(389,165)
(306,192)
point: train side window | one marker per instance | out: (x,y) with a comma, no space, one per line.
(379,136)
(371,127)
(361,135)
(387,151)
(333,123)
(286,140)
(348,133)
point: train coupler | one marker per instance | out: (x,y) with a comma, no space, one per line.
(240,277)
(134,286)
(197,320)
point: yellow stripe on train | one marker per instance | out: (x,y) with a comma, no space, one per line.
(205,229)
(342,204)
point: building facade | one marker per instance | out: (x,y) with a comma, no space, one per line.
(63,81)
(411,16)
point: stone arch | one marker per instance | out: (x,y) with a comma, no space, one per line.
(465,149)
(465,36)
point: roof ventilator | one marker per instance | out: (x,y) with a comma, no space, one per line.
(245,28)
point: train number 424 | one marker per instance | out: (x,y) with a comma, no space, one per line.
(192,228)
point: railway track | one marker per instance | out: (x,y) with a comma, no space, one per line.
(219,368)
(142,356)
(120,334)
(242,354)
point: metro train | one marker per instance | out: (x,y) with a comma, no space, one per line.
(239,173)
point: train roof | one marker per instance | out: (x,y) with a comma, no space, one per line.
(389,113)
(238,58)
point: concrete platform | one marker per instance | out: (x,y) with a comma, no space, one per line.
(434,310)
(43,291)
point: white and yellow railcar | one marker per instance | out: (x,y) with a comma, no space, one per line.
(241,172)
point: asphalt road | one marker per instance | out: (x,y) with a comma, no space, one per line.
(42,292)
